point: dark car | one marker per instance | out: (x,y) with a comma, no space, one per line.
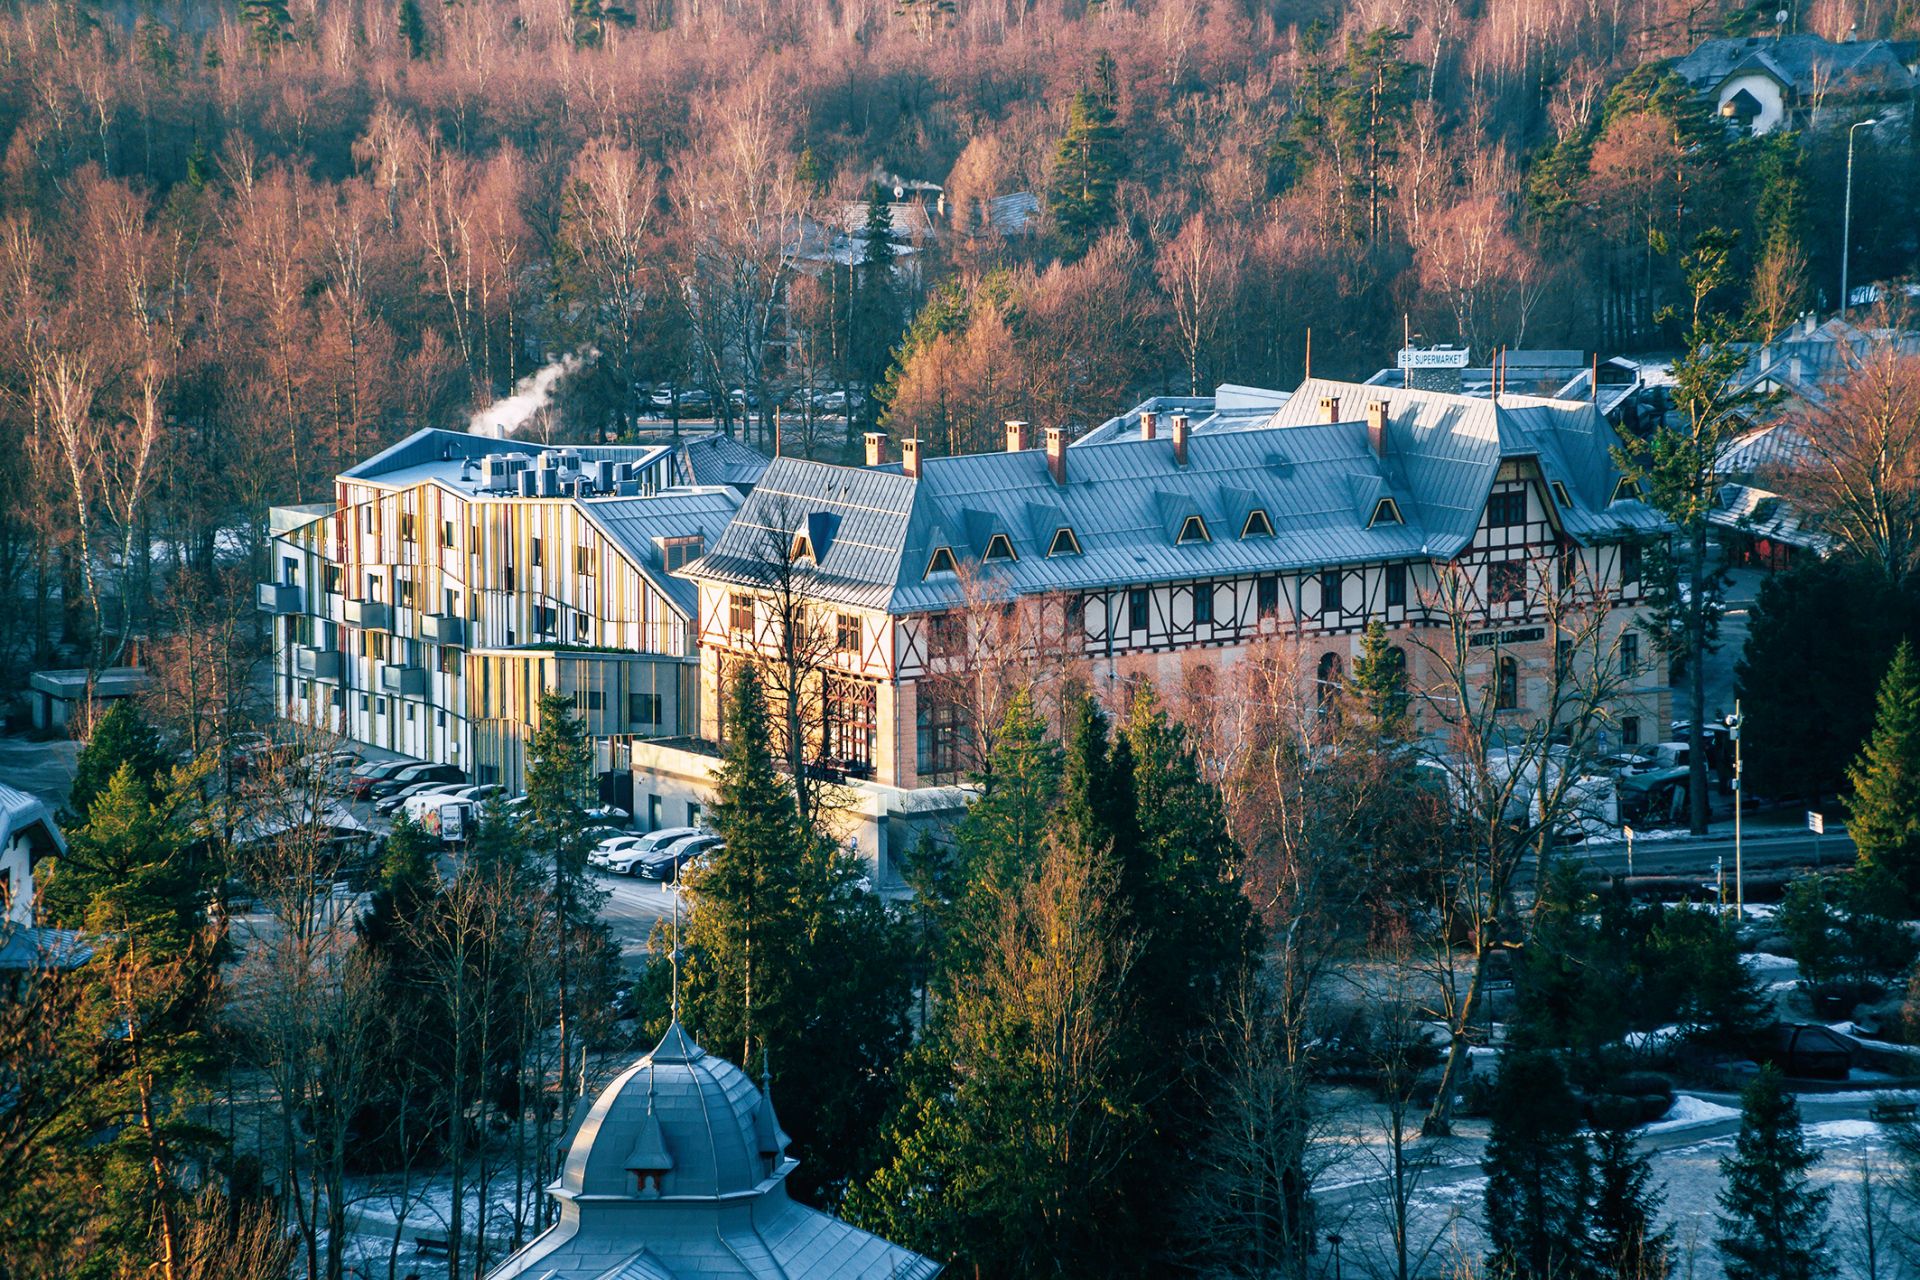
(665,862)
(361,781)
(416,773)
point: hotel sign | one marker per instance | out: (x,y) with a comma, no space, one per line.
(1433,358)
(1518,635)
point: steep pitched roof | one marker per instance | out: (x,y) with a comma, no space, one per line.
(638,524)
(719,459)
(1802,63)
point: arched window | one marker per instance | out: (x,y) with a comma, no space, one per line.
(1506,694)
(1327,686)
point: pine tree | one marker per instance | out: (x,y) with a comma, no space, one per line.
(1377,689)
(270,21)
(790,960)
(1883,816)
(1086,171)
(1773,1225)
(1625,1209)
(1537,1171)
(413,28)
(122,737)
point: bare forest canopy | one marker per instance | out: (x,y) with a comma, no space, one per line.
(242,246)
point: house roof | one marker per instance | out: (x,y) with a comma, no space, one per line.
(432,454)
(719,459)
(638,526)
(1127,501)
(1802,63)
(677,1171)
(1765,514)
(24,816)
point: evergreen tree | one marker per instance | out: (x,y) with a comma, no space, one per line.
(1377,689)
(553,829)
(1625,1209)
(123,737)
(1537,1171)
(790,960)
(1573,979)
(413,28)
(269,20)
(1883,817)
(1773,1225)
(1086,171)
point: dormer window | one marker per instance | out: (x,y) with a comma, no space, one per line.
(1257,525)
(1626,490)
(941,561)
(1193,530)
(1385,511)
(1560,494)
(802,548)
(1064,543)
(999,547)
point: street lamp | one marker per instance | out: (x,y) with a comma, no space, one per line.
(1734,722)
(1846,224)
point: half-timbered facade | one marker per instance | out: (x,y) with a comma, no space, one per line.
(455,578)
(1164,548)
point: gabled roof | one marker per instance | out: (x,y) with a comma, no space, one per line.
(24,816)
(1127,501)
(719,459)
(636,525)
(1803,63)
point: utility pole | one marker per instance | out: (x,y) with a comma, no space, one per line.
(1734,722)
(1846,223)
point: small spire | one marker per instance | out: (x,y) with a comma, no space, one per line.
(674,957)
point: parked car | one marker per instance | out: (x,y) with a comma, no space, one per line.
(397,801)
(632,847)
(696,401)
(361,781)
(663,862)
(609,813)
(416,773)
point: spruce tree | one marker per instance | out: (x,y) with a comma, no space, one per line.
(1884,815)
(1086,171)
(1537,1171)
(123,736)
(413,28)
(1622,1221)
(1377,689)
(1773,1225)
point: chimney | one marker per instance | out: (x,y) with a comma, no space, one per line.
(910,458)
(1057,454)
(1181,432)
(1377,427)
(1018,438)
(1149,423)
(876,448)
(1330,409)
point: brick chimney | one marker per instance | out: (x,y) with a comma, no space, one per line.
(1019,439)
(1182,432)
(1149,423)
(910,458)
(1330,409)
(1377,427)
(876,448)
(1057,454)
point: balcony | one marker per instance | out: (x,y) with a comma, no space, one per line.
(281,598)
(444,628)
(373,615)
(318,664)
(403,681)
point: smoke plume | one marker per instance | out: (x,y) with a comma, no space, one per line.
(530,395)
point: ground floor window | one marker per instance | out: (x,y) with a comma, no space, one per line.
(1507,691)
(852,721)
(937,732)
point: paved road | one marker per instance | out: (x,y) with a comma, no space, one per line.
(1773,856)
(631,909)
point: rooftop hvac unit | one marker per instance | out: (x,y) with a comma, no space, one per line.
(569,460)
(629,488)
(548,459)
(549,484)
(603,475)
(529,482)
(496,473)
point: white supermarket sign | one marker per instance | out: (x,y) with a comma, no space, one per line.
(1442,358)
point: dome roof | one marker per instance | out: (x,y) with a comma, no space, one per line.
(678,1123)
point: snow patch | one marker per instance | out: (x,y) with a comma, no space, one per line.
(1843,1130)
(1687,1112)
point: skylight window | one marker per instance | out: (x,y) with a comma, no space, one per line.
(1257,525)
(941,562)
(1626,490)
(1064,543)
(1385,511)
(999,547)
(1194,530)
(1560,494)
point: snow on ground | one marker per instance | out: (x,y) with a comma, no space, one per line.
(1766,961)
(1690,1112)
(1641,1041)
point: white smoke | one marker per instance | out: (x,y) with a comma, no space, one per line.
(530,395)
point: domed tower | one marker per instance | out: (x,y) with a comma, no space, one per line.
(678,1169)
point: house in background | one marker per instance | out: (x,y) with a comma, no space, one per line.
(28,835)
(1762,83)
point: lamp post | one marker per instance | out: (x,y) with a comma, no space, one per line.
(1846,222)
(1734,722)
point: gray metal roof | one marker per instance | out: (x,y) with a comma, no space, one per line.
(636,524)
(1127,501)
(719,459)
(1804,63)
(24,815)
(714,1203)
(433,454)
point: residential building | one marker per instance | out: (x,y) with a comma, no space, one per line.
(678,1170)
(455,578)
(1164,548)
(29,834)
(1762,83)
